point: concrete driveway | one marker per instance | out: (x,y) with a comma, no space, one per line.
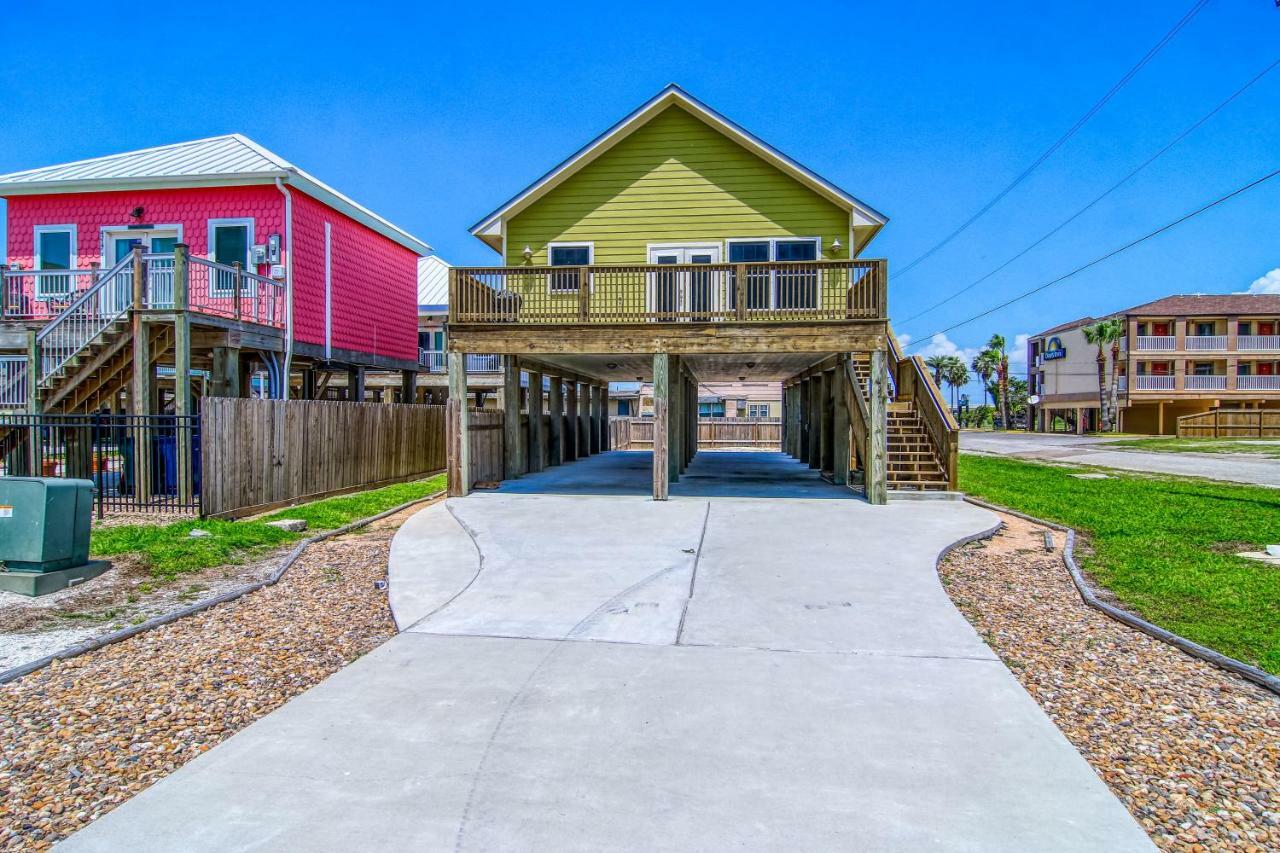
(1094,450)
(591,670)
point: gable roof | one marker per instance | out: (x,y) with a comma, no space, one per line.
(673,95)
(230,160)
(1211,303)
(433,282)
(1066,327)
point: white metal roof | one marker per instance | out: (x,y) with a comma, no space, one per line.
(861,213)
(433,281)
(229,160)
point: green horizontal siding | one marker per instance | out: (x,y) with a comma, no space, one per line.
(673,180)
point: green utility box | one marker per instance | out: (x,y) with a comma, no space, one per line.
(44,534)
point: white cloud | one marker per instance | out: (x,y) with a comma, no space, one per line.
(1269,283)
(940,344)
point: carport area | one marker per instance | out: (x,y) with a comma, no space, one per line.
(581,669)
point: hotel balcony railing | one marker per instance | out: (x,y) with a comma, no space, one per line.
(1202,343)
(437,361)
(1156,343)
(1258,383)
(1254,343)
(1153,383)
(1204,383)
(674,293)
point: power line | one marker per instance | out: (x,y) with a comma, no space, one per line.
(1062,140)
(1101,258)
(1073,217)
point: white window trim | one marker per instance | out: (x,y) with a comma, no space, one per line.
(73,258)
(214,224)
(591,259)
(773,254)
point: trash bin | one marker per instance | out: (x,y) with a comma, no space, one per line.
(44,534)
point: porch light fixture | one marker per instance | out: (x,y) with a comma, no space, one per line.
(750,365)
(836,244)
(612,365)
(528,252)
(137,213)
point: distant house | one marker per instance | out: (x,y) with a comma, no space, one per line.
(433,314)
(234,260)
(715,400)
(1181,355)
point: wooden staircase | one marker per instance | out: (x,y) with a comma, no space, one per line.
(913,462)
(96,374)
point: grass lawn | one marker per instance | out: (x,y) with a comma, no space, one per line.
(1166,444)
(1165,547)
(170,551)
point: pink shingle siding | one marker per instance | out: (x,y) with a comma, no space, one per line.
(374,279)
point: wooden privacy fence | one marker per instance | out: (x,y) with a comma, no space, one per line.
(259,454)
(484,428)
(1231,423)
(755,433)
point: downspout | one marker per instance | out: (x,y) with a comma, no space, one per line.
(288,288)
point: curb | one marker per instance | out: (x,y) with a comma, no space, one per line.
(191,609)
(1260,677)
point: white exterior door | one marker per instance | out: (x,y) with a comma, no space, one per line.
(685,294)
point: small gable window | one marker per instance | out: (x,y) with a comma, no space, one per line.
(568,255)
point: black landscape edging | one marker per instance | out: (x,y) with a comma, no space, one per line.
(191,609)
(1258,676)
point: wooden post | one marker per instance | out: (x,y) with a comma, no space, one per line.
(408,386)
(802,408)
(355,384)
(140,395)
(309,383)
(583,421)
(537,436)
(661,396)
(604,418)
(237,282)
(584,293)
(182,371)
(815,422)
(594,425)
(675,419)
(570,421)
(878,431)
(840,424)
(226,372)
(555,422)
(456,424)
(740,290)
(826,393)
(512,435)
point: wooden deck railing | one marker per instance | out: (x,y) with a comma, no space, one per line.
(681,293)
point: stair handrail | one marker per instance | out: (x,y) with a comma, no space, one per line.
(859,412)
(934,414)
(74,329)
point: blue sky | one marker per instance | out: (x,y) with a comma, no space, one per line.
(434,114)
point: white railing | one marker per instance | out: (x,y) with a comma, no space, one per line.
(13,382)
(1201,343)
(1258,342)
(1258,383)
(1156,343)
(437,361)
(85,318)
(1205,383)
(1153,383)
(41,294)
(212,289)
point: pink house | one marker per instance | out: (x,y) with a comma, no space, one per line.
(327,288)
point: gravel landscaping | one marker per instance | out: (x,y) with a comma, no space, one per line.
(83,735)
(1191,750)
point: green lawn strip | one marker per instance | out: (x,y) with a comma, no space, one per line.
(170,551)
(1164,546)
(1202,445)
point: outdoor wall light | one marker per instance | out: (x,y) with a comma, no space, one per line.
(528,253)
(836,244)
(137,213)
(750,365)
(613,365)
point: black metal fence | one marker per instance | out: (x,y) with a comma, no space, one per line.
(138,463)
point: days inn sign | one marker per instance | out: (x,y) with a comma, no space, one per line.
(1053,349)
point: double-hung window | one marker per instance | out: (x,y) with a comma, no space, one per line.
(758,410)
(55,247)
(777,287)
(568,255)
(230,241)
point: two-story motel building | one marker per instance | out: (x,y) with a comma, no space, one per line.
(1181,355)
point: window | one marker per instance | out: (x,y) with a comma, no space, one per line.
(1204,329)
(568,255)
(758,410)
(777,288)
(713,409)
(55,247)
(229,241)
(1204,368)
(1243,327)
(624,408)
(1244,368)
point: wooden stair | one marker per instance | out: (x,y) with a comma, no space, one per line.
(99,371)
(913,463)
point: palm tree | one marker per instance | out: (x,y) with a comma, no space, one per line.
(1099,334)
(938,364)
(984,364)
(957,376)
(997,347)
(1117,332)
